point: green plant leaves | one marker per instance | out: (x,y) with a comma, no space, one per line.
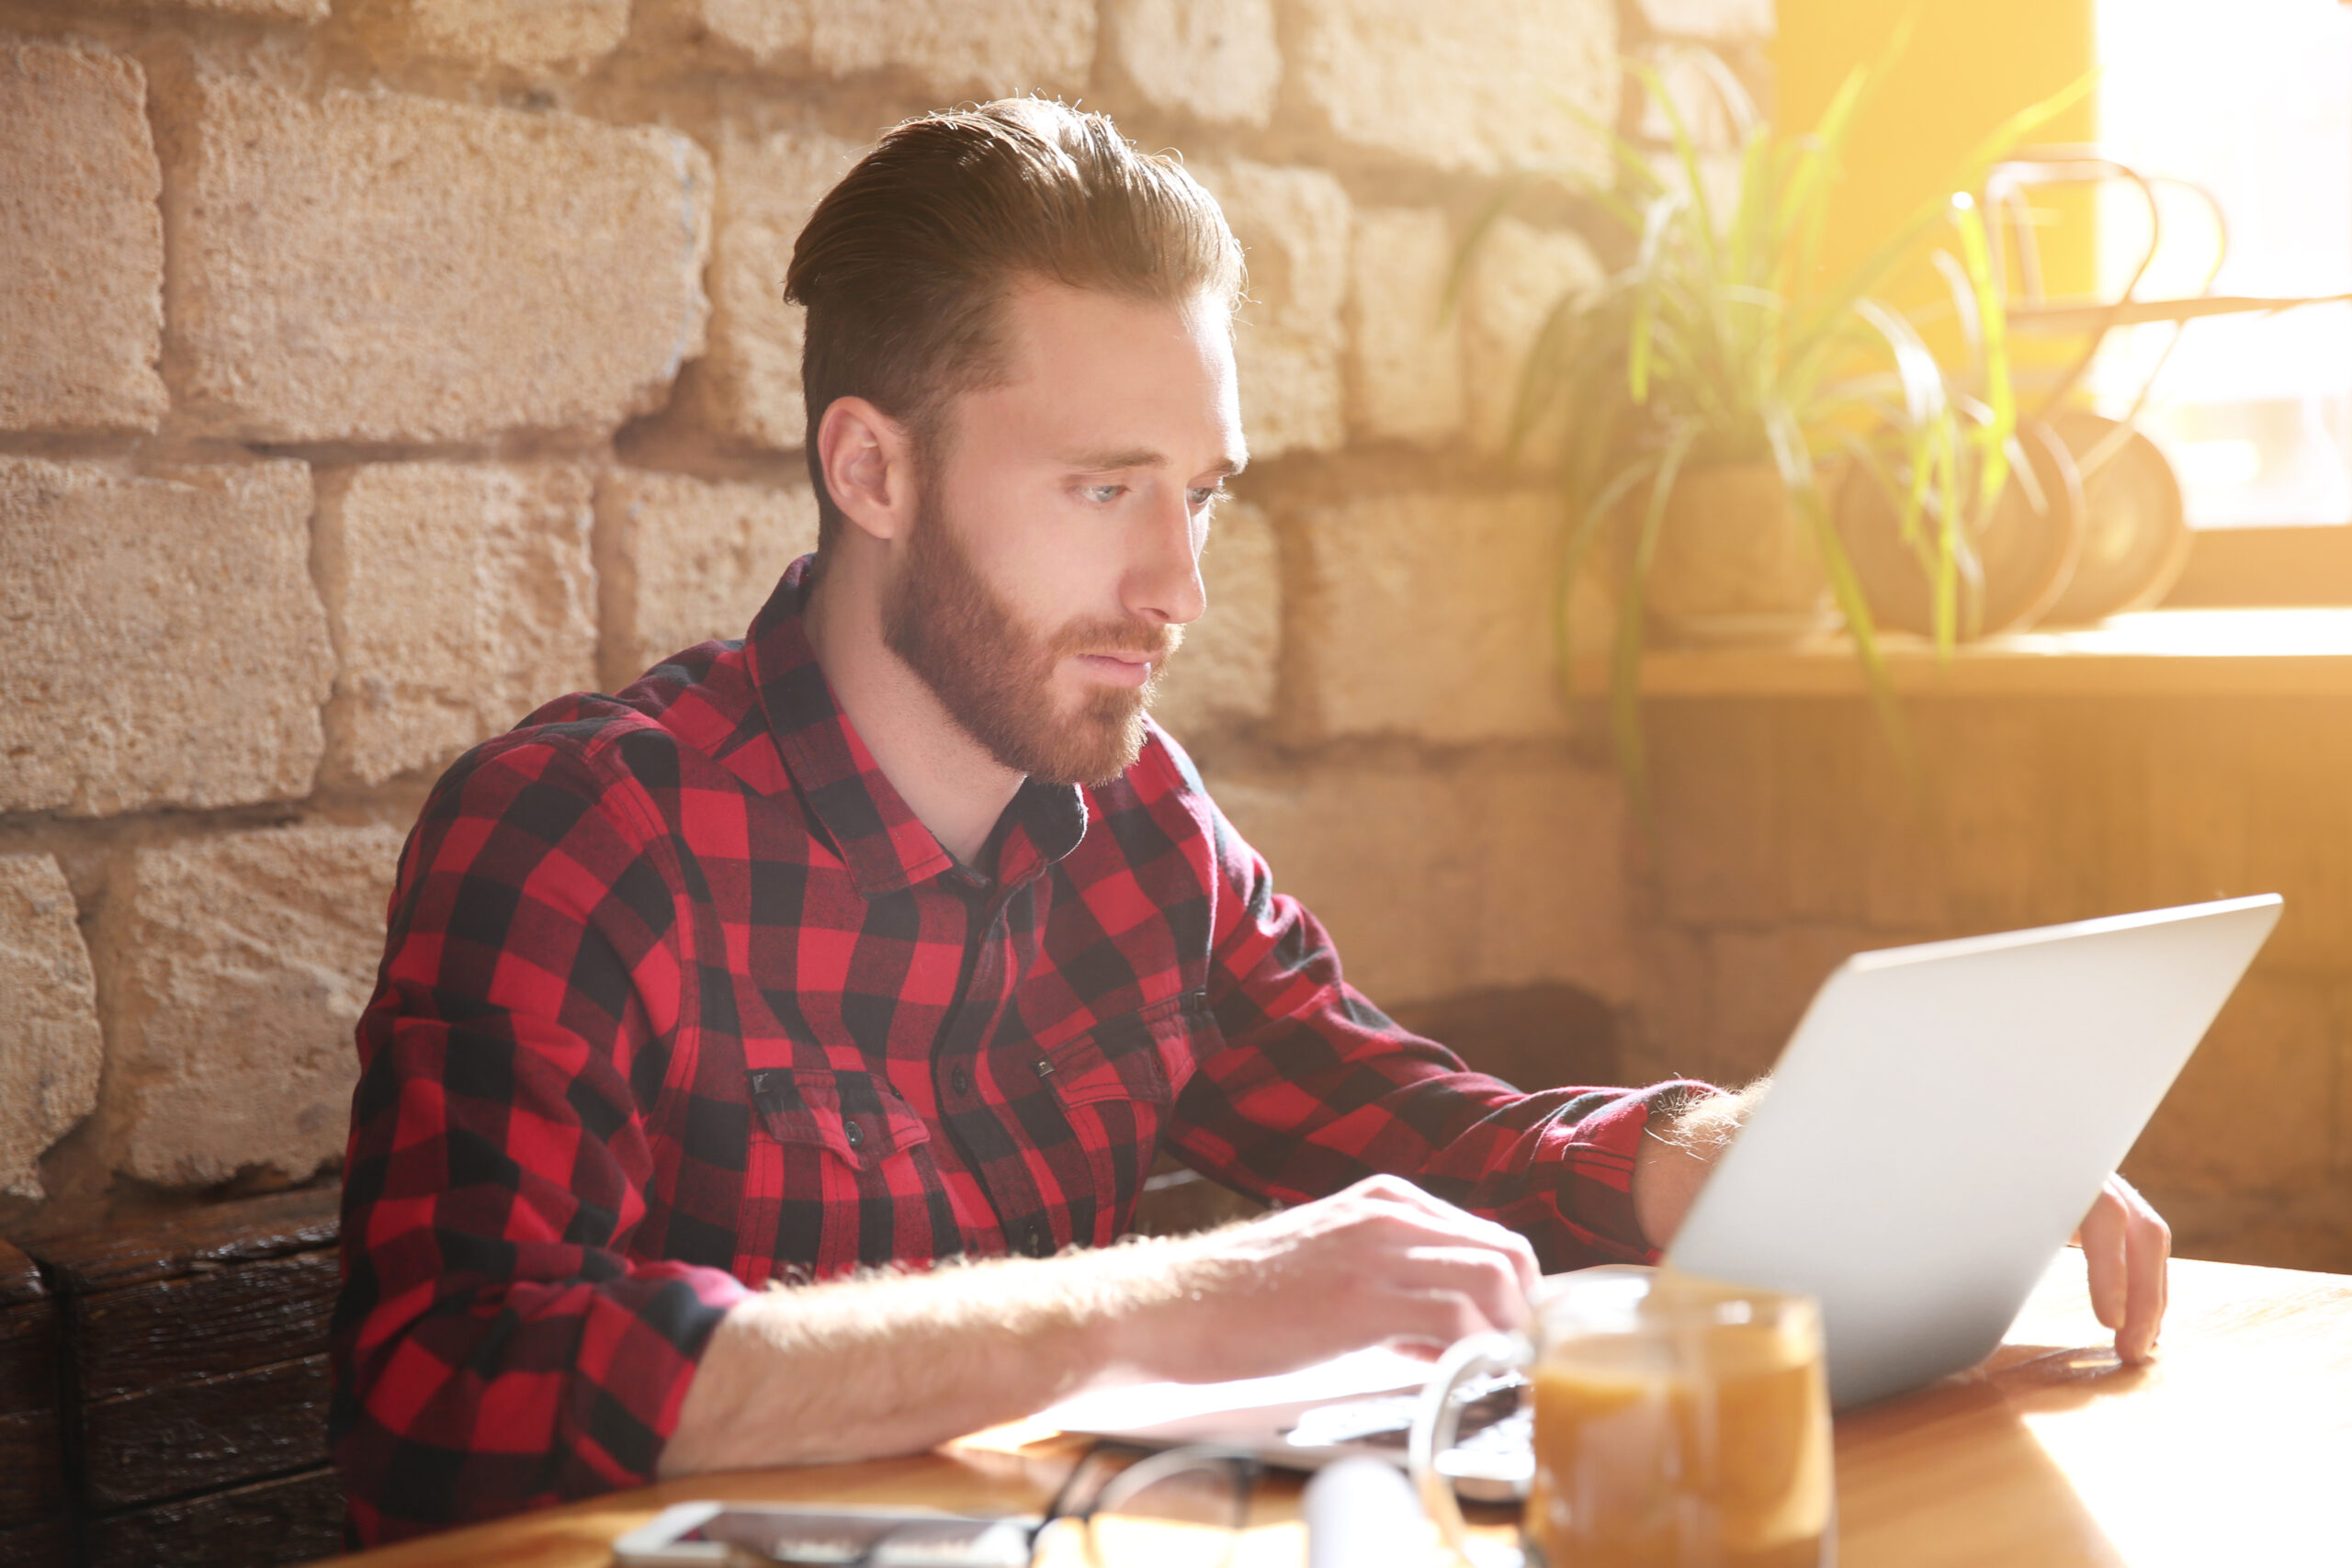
(1719,341)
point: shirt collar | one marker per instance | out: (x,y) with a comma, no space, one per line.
(880,839)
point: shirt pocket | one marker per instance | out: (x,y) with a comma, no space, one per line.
(1146,1056)
(1118,1085)
(857,1184)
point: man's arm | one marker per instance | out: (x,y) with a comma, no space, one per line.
(495,1346)
(891,1364)
(2125,1243)
(1311,1087)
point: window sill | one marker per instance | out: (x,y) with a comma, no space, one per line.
(2157,653)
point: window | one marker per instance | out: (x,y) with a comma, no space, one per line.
(2252,101)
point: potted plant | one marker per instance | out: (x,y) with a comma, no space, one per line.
(1694,399)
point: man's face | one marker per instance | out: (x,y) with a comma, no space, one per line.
(1056,555)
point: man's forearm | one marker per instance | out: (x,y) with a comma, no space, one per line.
(891,1364)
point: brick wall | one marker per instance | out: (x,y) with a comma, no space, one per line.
(372,370)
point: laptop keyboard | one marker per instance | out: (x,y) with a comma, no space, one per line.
(1494,1420)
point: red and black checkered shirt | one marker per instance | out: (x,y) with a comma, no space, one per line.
(679,998)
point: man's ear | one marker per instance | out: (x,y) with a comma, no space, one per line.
(868,460)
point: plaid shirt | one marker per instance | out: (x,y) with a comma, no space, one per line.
(680,997)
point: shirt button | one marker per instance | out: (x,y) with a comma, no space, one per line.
(850,1130)
(1039,1241)
(961,1078)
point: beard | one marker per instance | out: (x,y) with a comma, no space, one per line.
(994,673)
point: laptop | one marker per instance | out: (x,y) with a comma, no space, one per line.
(1937,1125)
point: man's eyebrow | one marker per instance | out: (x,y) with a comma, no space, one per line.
(1109,460)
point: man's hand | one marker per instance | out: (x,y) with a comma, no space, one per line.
(2125,1244)
(1381,1262)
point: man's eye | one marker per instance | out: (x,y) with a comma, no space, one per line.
(1102,495)
(1201,495)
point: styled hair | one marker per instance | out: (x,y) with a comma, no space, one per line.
(904,264)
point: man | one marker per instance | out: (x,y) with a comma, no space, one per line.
(896,934)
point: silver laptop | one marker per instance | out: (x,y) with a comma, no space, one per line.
(1937,1125)
(1942,1119)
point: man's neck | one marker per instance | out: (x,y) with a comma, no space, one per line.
(947,779)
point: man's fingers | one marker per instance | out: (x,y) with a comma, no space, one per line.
(2126,1248)
(1432,1317)
(2102,1238)
(2147,1248)
(1478,1275)
(1438,1222)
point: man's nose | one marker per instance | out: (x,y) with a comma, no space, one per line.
(1163,583)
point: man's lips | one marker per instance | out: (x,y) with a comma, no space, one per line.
(1117,669)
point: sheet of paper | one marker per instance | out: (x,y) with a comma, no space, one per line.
(1353,1375)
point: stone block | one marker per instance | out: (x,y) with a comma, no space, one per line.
(1520,275)
(51,1048)
(1002,49)
(265,10)
(681,560)
(748,386)
(1214,60)
(160,640)
(1404,345)
(1428,615)
(242,963)
(462,596)
(952,47)
(373,267)
(523,35)
(1225,672)
(1289,336)
(1476,86)
(81,243)
(1435,882)
(2253,1110)
(1717,21)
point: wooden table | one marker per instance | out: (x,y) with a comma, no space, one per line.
(2234,1448)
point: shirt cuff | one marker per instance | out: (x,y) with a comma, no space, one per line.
(1613,1133)
(716,1291)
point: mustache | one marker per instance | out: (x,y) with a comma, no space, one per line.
(1138,639)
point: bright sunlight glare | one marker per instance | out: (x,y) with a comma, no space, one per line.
(2252,101)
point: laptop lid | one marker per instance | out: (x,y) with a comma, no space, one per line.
(1942,1119)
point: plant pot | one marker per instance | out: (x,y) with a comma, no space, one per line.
(2135,531)
(2025,549)
(1735,562)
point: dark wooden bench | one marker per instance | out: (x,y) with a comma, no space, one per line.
(36,1520)
(186,1370)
